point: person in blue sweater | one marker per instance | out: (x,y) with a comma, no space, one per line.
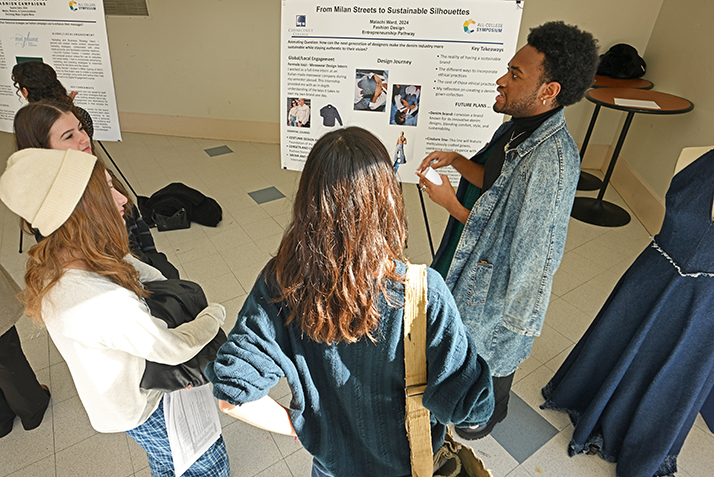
(327,314)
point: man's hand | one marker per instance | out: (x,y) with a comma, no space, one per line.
(444,195)
(439,159)
(378,88)
(470,171)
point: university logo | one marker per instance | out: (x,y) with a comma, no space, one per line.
(73,6)
(23,41)
(300,21)
(468,26)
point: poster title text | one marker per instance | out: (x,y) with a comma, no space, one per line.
(398,11)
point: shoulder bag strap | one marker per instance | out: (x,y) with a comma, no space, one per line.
(417,416)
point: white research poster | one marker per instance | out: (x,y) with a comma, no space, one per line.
(420,77)
(70,36)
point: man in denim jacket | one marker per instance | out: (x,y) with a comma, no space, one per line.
(509,218)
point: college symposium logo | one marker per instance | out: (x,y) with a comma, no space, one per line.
(468,28)
(300,21)
(74,6)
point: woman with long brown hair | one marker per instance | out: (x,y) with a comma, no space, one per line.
(85,286)
(327,313)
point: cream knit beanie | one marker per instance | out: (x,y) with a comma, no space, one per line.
(43,186)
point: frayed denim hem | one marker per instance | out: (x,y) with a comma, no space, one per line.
(667,468)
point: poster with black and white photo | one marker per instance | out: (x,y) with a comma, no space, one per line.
(418,76)
(72,38)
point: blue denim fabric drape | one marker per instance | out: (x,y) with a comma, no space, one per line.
(634,383)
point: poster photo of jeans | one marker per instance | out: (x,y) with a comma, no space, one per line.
(370,90)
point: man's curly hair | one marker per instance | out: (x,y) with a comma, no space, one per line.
(571,58)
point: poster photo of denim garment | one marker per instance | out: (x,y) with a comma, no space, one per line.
(399,157)
(370,90)
(329,114)
(634,383)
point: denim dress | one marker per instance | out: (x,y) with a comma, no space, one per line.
(635,382)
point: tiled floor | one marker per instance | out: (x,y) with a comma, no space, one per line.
(226,260)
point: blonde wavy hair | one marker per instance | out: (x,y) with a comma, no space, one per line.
(94,234)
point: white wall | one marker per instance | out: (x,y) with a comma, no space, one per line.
(680,61)
(215,59)
(611,22)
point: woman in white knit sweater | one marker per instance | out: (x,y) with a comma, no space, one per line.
(84,285)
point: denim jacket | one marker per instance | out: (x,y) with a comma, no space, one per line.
(512,244)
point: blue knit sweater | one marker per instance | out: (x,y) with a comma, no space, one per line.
(348,399)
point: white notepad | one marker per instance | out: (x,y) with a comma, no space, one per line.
(636,103)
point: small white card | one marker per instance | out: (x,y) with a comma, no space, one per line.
(636,103)
(433,176)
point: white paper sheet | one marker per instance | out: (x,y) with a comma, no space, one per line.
(636,103)
(192,424)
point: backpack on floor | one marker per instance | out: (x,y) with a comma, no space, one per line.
(177,205)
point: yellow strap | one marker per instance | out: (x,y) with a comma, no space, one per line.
(417,416)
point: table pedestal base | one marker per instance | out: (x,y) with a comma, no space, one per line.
(588,182)
(599,212)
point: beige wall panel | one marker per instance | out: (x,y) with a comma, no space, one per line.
(611,22)
(679,61)
(210,59)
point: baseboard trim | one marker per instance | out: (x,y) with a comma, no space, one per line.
(638,196)
(596,156)
(209,128)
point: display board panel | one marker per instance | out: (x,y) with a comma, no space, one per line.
(420,77)
(72,38)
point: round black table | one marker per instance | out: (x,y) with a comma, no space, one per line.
(588,181)
(600,212)
(636,83)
